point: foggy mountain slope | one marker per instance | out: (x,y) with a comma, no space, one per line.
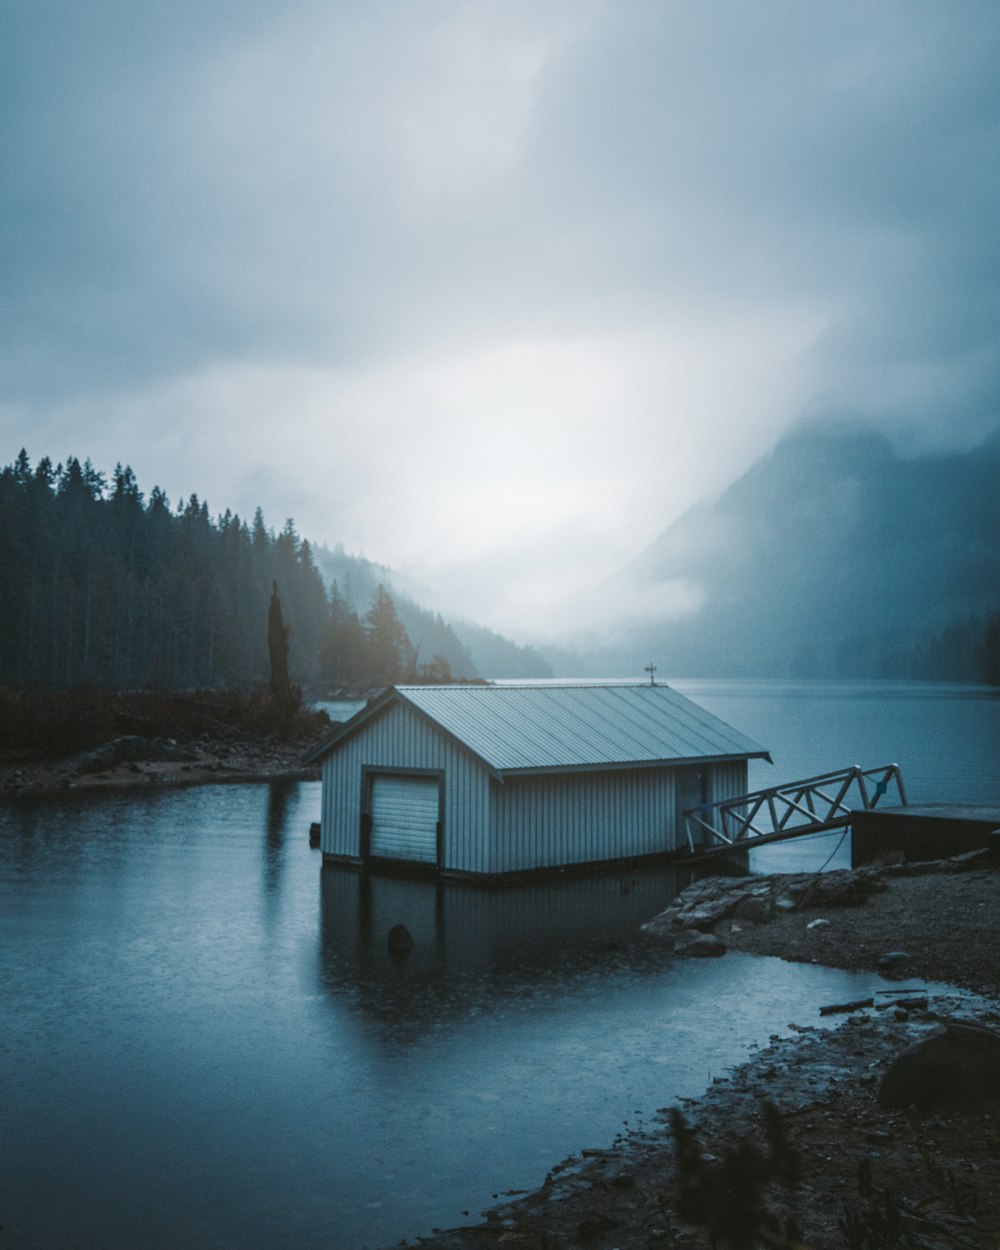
(471,650)
(498,656)
(827,554)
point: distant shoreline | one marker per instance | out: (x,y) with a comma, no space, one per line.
(93,740)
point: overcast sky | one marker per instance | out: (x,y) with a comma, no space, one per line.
(491,292)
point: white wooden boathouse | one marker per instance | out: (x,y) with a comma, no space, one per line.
(494,781)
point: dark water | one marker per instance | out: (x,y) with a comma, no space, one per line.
(205,1043)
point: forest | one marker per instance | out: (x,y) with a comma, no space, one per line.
(102,587)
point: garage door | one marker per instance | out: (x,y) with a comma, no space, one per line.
(405,813)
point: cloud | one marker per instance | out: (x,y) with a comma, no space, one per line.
(490,290)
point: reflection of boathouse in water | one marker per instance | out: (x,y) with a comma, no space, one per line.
(493,781)
(479,949)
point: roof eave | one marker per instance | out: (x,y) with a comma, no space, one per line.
(631,765)
(372,708)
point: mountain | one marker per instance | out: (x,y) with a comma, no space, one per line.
(834,555)
(497,656)
(470,650)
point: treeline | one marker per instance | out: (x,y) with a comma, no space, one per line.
(101,587)
(37,724)
(967,650)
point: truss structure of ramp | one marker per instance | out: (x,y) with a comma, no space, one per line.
(789,811)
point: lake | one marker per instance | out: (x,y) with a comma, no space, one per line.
(205,1042)
(945,737)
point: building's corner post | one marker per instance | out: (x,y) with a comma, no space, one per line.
(899,785)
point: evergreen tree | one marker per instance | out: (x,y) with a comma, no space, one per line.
(344,651)
(103,586)
(390,653)
(277,646)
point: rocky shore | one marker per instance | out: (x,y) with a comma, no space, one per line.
(879,1131)
(133,761)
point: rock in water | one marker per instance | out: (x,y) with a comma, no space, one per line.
(894,964)
(956,1067)
(400,940)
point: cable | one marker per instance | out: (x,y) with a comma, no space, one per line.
(819,872)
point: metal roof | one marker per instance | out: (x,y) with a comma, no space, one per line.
(526,728)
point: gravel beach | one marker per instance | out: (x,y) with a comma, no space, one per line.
(841,1169)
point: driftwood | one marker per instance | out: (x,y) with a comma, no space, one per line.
(918,1003)
(834,1008)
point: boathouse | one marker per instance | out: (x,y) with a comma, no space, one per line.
(495,781)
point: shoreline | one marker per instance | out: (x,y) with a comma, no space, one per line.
(239,761)
(937,1174)
(861,1166)
(823,1084)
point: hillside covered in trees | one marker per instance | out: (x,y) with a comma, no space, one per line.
(457,641)
(102,587)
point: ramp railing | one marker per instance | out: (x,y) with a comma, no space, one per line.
(789,811)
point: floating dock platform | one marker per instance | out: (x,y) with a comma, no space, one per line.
(925,831)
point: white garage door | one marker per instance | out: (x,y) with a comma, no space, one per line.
(405,813)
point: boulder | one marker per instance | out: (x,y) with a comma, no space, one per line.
(894,963)
(700,905)
(705,914)
(757,907)
(844,887)
(695,945)
(959,1066)
(131,749)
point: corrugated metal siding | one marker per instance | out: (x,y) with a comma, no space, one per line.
(552,726)
(727,781)
(401,738)
(544,822)
(537,821)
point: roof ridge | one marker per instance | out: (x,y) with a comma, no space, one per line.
(521,732)
(554,684)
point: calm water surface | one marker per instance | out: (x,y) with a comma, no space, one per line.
(945,738)
(205,1043)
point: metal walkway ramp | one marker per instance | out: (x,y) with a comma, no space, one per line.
(790,811)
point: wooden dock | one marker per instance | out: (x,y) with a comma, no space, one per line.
(813,805)
(922,832)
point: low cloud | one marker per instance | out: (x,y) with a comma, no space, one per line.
(492,292)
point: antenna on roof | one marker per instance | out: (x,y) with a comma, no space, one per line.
(651,669)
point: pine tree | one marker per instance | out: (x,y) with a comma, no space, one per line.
(277,646)
(390,652)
